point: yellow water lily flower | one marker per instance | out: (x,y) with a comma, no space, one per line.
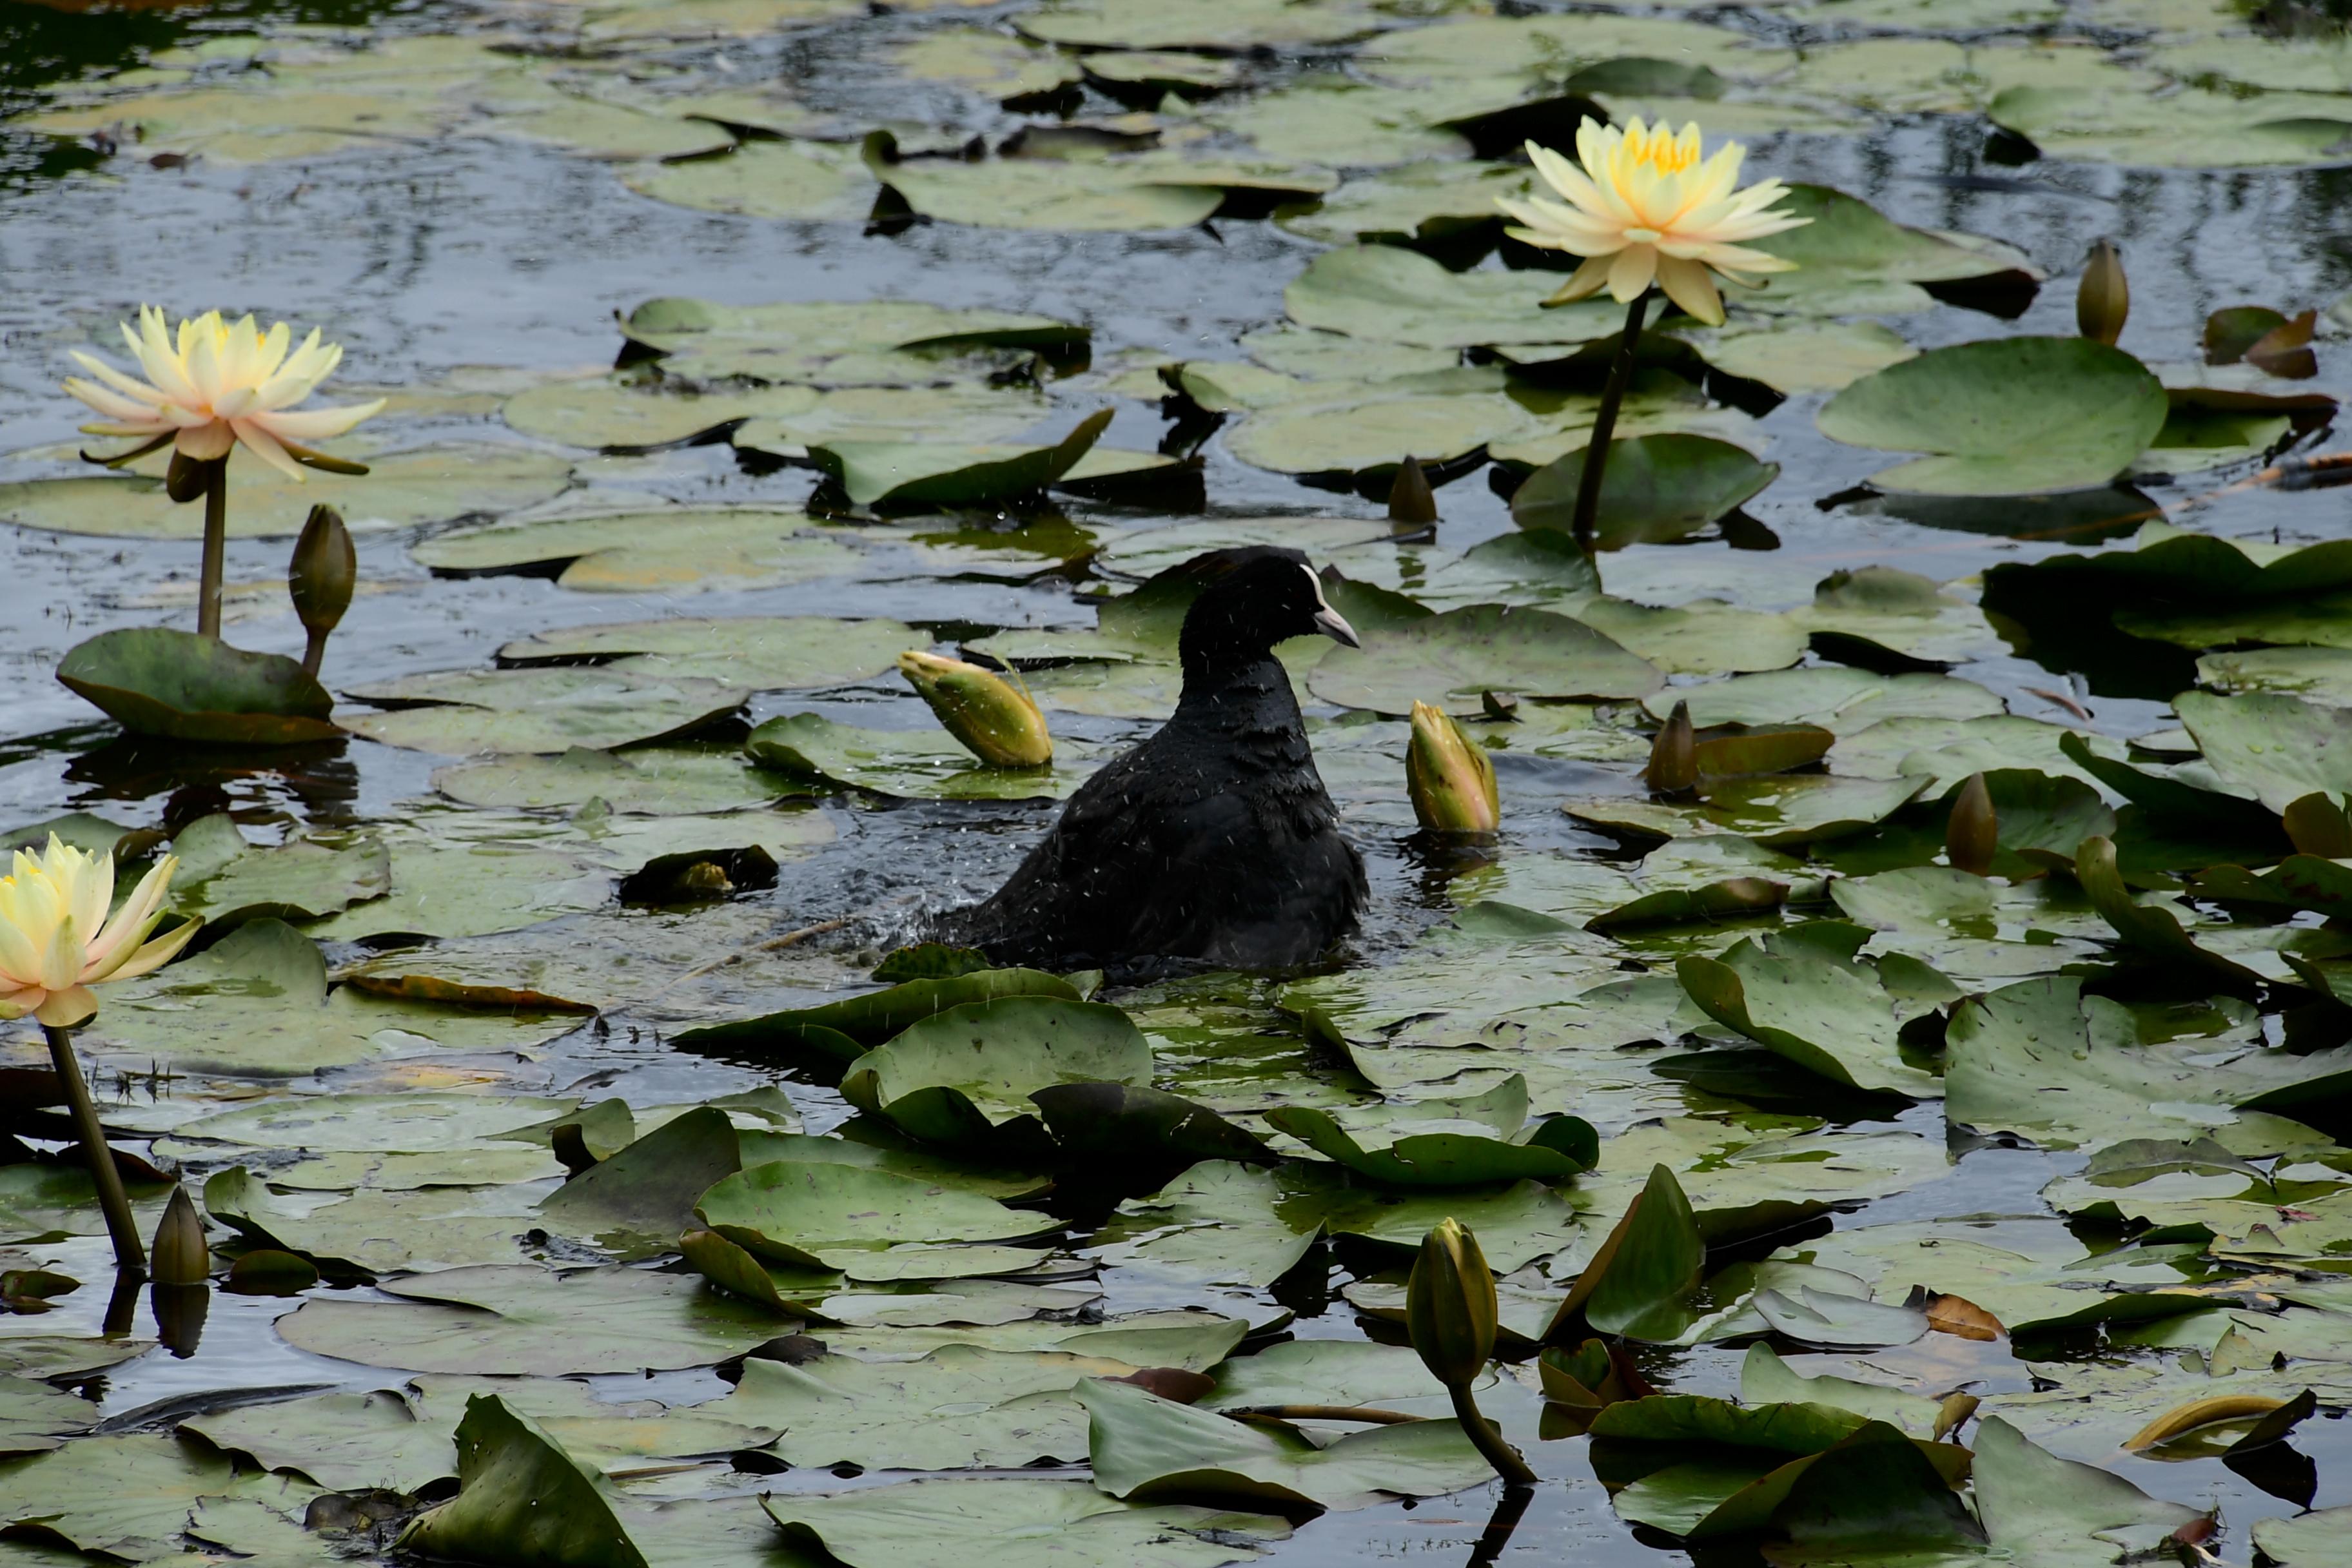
(215,384)
(1646,208)
(56,941)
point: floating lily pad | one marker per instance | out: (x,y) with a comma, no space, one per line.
(679,551)
(2277,747)
(762,653)
(963,1077)
(1002,1523)
(1425,201)
(228,881)
(520,1496)
(129,1496)
(1454,658)
(924,764)
(818,342)
(526,1321)
(802,180)
(1654,490)
(652,782)
(812,1216)
(154,681)
(1145,1448)
(1806,357)
(917,476)
(433,484)
(1812,1001)
(2005,416)
(1780,811)
(549,711)
(1393,295)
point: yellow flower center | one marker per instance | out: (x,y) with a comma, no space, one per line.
(1662,150)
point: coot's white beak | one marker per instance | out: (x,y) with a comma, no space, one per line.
(1329,621)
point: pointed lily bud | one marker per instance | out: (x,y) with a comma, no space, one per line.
(1450,1306)
(181,1255)
(1411,503)
(996,722)
(1448,776)
(1974,831)
(2103,298)
(324,569)
(1673,755)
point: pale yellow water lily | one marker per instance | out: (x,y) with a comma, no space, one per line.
(55,940)
(1647,207)
(215,384)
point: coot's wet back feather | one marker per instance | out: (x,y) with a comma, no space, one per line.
(1214,840)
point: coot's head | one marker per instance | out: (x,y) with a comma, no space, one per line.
(1251,599)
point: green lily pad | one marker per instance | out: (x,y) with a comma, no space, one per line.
(810,341)
(1814,1002)
(1393,295)
(2005,416)
(955,1408)
(1050,193)
(635,1202)
(921,765)
(845,1029)
(521,1497)
(2275,747)
(1221,1222)
(1145,1448)
(1852,259)
(1454,658)
(682,551)
(762,653)
(823,1216)
(1777,810)
(548,711)
(1445,1144)
(1431,201)
(129,1497)
(433,484)
(1641,1282)
(35,1417)
(2041,1059)
(650,781)
(525,1321)
(1654,490)
(154,681)
(228,881)
(2115,119)
(1837,698)
(800,180)
(905,475)
(980,60)
(1803,357)
(1214,23)
(1765,1379)
(257,1004)
(963,1077)
(1006,1523)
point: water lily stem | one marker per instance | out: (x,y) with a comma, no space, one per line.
(128,1252)
(209,585)
(315,653)
(1488,1441)
(1604,425)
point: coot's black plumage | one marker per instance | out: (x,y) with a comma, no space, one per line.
(1214,840)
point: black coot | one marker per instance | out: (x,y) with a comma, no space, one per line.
(1214,840)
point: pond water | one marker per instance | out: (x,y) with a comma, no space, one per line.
(481,253)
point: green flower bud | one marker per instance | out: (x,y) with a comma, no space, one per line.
(1448,776)
(323,571)
(1450,1307)
(996,722)
(181,1255)
(1974,831)
(1411,503)
(2103,300)
(1673,755)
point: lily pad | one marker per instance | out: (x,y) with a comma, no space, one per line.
(680,552)
(1811,1001)
(1655,488)
(520,1495)
(1456,658)
(526,1321)
(1006,1523)
(897,474)
(2004,417)
(2275,747)
(433,484)
(228,881)
(761,653)
(845,1029)
(547,711)
(154,681)
(1145,1448)
(922,765)
(813,1216)
(963,1077)
(955,1408)
(801,180)
(1393,295)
